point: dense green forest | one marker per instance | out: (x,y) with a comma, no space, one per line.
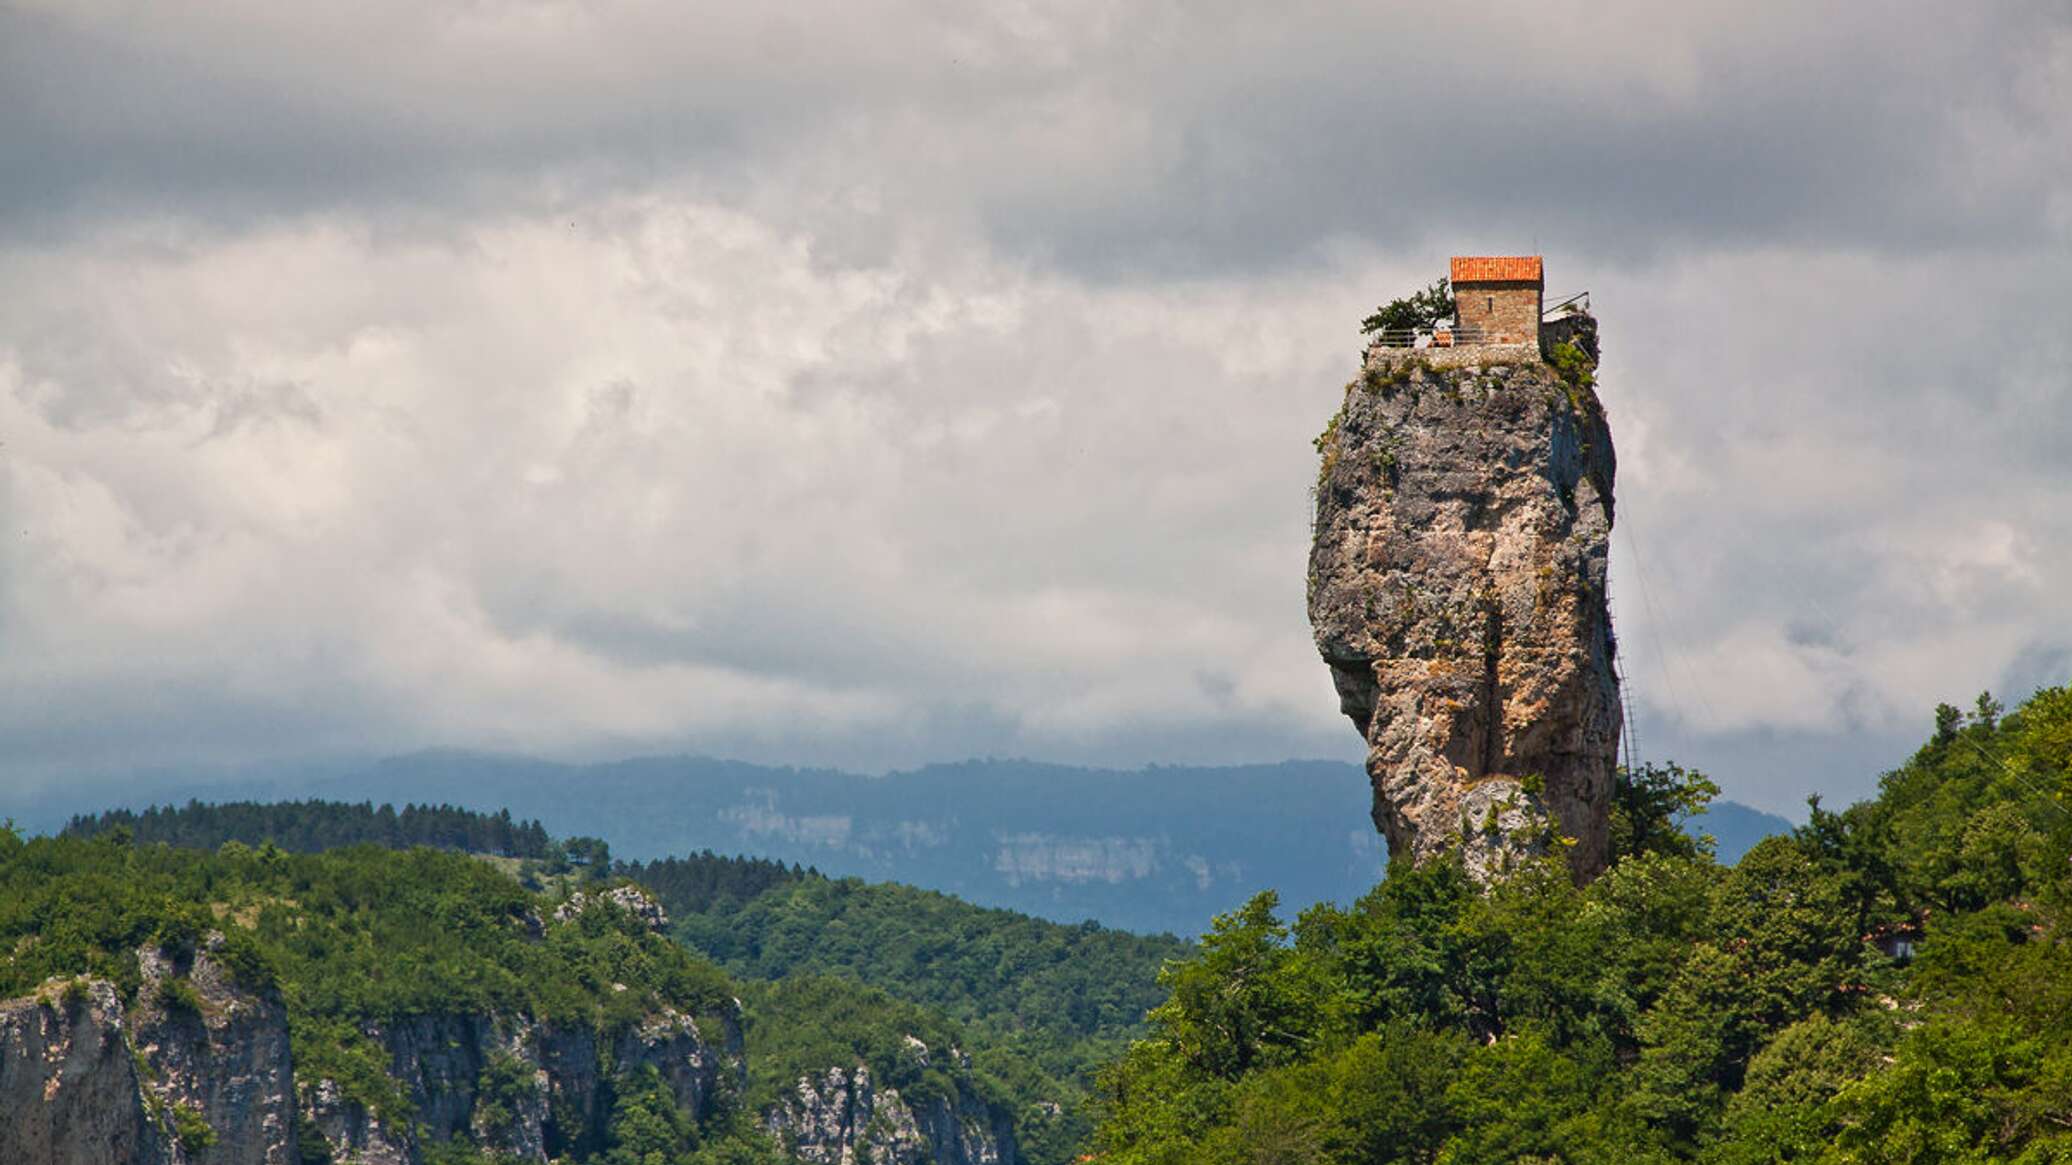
(1891,983)
(971,963)
(309,826)
(708,881)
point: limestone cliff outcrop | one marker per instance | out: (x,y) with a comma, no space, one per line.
(845,1117)
(69,1088)
(217,1050)
(444,1066)
(552,1081)
(197,1070)
(1457,591)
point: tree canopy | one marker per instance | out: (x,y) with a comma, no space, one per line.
(1417,311)
(1888,983)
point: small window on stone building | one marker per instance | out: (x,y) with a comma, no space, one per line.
(1489,303)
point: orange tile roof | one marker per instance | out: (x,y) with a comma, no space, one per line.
(1496,268)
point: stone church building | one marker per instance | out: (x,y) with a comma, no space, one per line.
(1497,298)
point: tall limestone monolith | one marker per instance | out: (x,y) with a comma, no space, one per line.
(1457,591)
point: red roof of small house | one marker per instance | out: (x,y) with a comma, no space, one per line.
(1495,269)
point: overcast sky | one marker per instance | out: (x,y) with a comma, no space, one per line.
(880,383)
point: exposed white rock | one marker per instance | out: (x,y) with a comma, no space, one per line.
(843,1117)
(631,899)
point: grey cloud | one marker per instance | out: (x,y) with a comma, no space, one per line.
(1142,139)
(1819,134)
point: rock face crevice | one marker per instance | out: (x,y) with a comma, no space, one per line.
(1457,592)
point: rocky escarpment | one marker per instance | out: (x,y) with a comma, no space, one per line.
(191,1063)
(196,1067)
(196,1070)
(1457,591)
(85,1080)
(530,1090)
(215,1054)
(845,1117)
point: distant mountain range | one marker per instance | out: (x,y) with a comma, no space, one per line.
(1736,828)
(1155,849)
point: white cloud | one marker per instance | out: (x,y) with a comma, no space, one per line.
(647,470)
(1844,506)
(888,382)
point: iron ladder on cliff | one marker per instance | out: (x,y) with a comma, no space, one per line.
(1629,737)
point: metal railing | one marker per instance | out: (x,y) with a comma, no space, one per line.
(1442,336)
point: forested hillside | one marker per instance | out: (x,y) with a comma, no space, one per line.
(357,949)
(1891,983)
(1887,983)
(1040,1004)
(760,919)
(974,964)
(832,972)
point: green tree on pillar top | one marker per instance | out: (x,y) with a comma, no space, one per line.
(1414,312)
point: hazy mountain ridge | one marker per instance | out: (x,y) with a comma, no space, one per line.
(1160,848)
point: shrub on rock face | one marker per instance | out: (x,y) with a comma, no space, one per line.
(646,1124)
(191,1129)
(1573,365)
(179,997)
